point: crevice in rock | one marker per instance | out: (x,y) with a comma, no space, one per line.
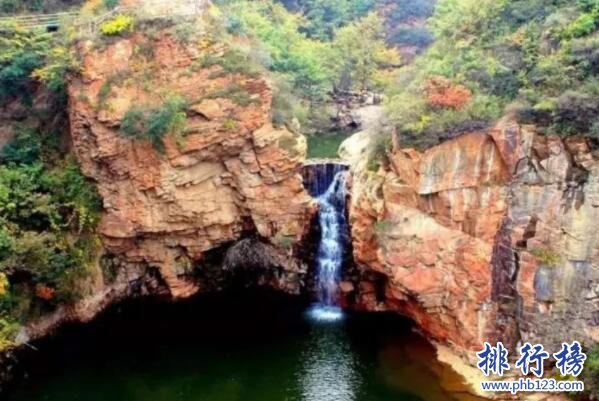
(529,232)
(505,262)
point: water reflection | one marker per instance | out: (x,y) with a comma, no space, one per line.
(330,371)
(246,349)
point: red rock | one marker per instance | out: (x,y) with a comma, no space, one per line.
(464,215)
(230,167)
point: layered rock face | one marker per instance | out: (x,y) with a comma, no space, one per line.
(487,237)
(227,175)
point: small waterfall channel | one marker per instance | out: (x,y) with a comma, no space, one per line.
(327,182)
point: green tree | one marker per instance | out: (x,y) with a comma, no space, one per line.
(283,47)
(534,56)
(48,215)
(324,17)
(22,51)
(360,52)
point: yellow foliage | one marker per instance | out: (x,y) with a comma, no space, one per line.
(3,285)
(118,25)
(518,37)
(8,331)
(6,343)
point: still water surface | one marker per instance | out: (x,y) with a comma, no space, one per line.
(252,347)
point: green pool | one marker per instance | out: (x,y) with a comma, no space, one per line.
(250,347)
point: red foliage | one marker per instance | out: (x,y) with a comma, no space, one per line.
(443,93)
(44,292)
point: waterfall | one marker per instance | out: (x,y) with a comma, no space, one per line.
(328,185)
(331,217)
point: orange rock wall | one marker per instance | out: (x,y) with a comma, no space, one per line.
(229,172)
(451,232)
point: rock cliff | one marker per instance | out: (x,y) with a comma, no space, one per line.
(486,237)
(489,236)
(229,174)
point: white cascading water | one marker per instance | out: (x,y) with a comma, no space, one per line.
(331,248)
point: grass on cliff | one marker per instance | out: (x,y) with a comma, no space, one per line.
(152,124)
(590,374)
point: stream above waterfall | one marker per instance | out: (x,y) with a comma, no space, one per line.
(251,346)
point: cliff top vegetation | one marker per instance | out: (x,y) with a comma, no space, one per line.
(536,59)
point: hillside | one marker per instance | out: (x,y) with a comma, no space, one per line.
(537,59)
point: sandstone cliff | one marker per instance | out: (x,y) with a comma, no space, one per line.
(489,236)
(229,174)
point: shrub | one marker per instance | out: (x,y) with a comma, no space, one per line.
(584,52)
(286,105)
(590,374)
(588,5)
(420,37)
(105,92)
(575,111)
(405,10)
(289,144)
(59,60)
(48,214)
(71,189)
(582,26)
(117,26)
(187,31)
(546,257)
(45,292)
(441,92)
(8,330)
(9,6)
(284,241)
(3,285)
(383,226)
(133,124)
(110,4)
(378,152)
(153,124)
(24,149)
(229,124)
(594,131)
(234,61)
(21,52)
(241,62)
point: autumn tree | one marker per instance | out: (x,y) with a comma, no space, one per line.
(443,93)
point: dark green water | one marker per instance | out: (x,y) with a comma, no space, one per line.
(252,347)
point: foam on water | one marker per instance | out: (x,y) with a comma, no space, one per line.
(324,313)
